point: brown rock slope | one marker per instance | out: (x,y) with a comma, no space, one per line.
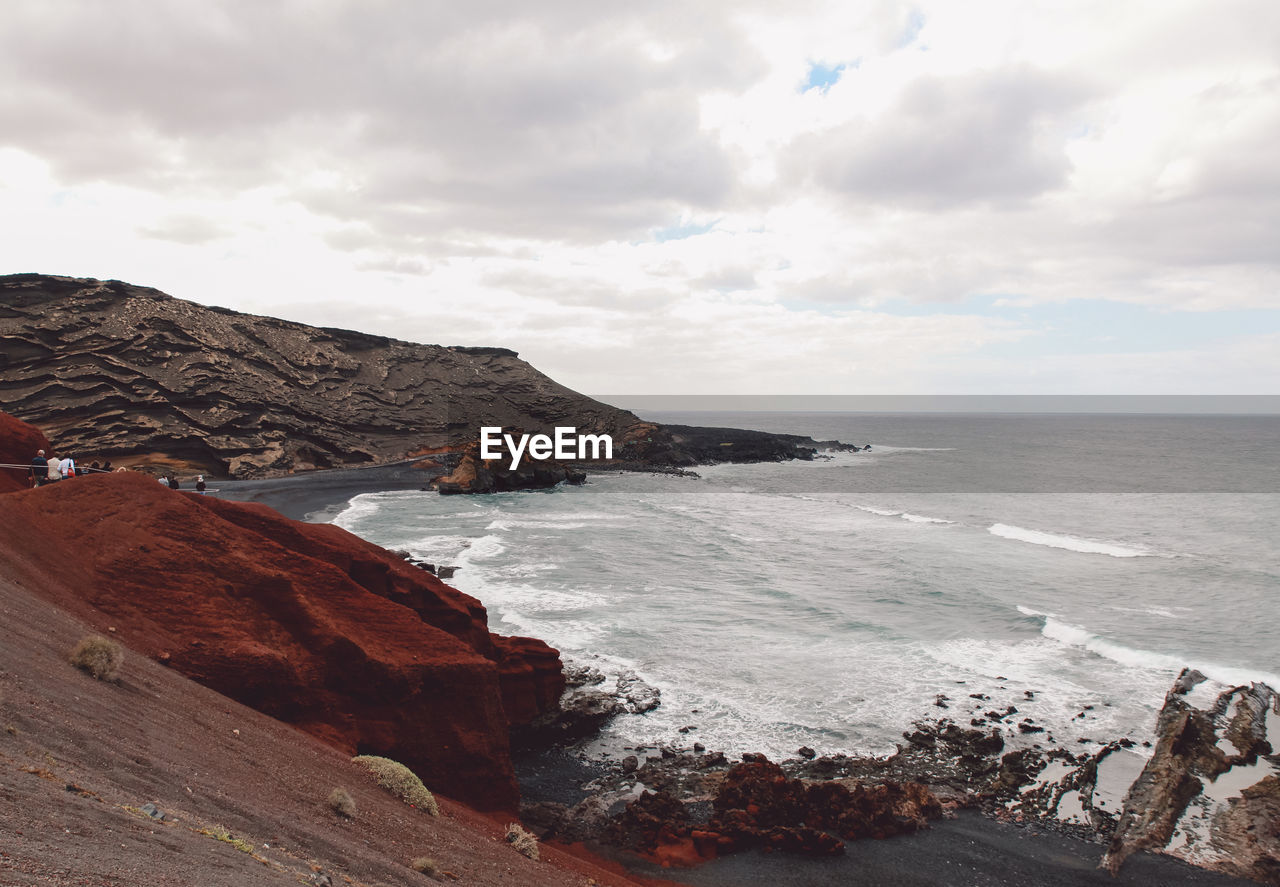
(79,758)
(303,622)
(127,373)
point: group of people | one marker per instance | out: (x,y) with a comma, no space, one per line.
(47,469)
(172,482)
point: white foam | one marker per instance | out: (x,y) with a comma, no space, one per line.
(484,547)
(913,518)
(358,508)
(922,519)
(883,448)
(1069,543)
(504,524)
(1078,636)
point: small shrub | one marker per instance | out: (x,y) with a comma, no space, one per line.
(99,656)
(341,802)
(400,781)
(424,864)
(522,840)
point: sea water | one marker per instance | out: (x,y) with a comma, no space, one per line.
(1067,565)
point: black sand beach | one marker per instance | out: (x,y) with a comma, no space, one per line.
(319,495)
(971,850)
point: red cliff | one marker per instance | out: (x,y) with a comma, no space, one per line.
(303,622)
(18,443)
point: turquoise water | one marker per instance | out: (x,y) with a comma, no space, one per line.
(1085,559)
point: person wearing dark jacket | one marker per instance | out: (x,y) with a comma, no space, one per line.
(39,469)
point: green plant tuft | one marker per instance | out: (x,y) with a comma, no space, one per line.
(400,781)
(522,840)
(99,656)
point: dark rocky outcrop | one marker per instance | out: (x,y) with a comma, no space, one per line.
(303,622)
(127,373)
(685,445)
(1230,824)
(757,806)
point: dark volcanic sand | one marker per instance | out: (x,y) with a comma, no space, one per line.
(969,851)
(319,495)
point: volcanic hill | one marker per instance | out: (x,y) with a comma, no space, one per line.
(128,373)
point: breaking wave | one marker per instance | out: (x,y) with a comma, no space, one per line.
(1068,543)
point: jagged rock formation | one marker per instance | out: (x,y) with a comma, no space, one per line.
(303,622)
(127,373)
(1211,792)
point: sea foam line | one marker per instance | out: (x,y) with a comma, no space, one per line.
(1077,636)
(1068,543)
(913,518)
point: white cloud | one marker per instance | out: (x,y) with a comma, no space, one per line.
(496,173)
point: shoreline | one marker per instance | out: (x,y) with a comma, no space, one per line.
(974,848)
(319,496)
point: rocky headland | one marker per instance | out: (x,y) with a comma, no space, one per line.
(113,371)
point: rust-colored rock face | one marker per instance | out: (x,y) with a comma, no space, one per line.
(130,374)
(303,622)
(18,443)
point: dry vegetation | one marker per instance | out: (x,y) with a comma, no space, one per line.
(341,802)
(522,840)
(99,656)
(424,864)
(400,781)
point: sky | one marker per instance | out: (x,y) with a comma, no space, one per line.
(680,197)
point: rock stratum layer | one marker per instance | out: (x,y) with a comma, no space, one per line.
(121,372)
(303,622)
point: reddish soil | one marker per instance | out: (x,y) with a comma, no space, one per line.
(79,757)
(303,622)
(18,443)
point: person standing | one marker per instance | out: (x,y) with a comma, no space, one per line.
(39,469)
(200,485)
(54,472)
(67,466)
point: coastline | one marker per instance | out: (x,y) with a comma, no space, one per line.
(971,849)
(318,496)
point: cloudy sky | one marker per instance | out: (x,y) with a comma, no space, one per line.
(661,197)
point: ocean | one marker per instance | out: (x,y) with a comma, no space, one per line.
(1066,565)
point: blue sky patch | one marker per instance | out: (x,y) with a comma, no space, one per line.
(822,77)
(680,232)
